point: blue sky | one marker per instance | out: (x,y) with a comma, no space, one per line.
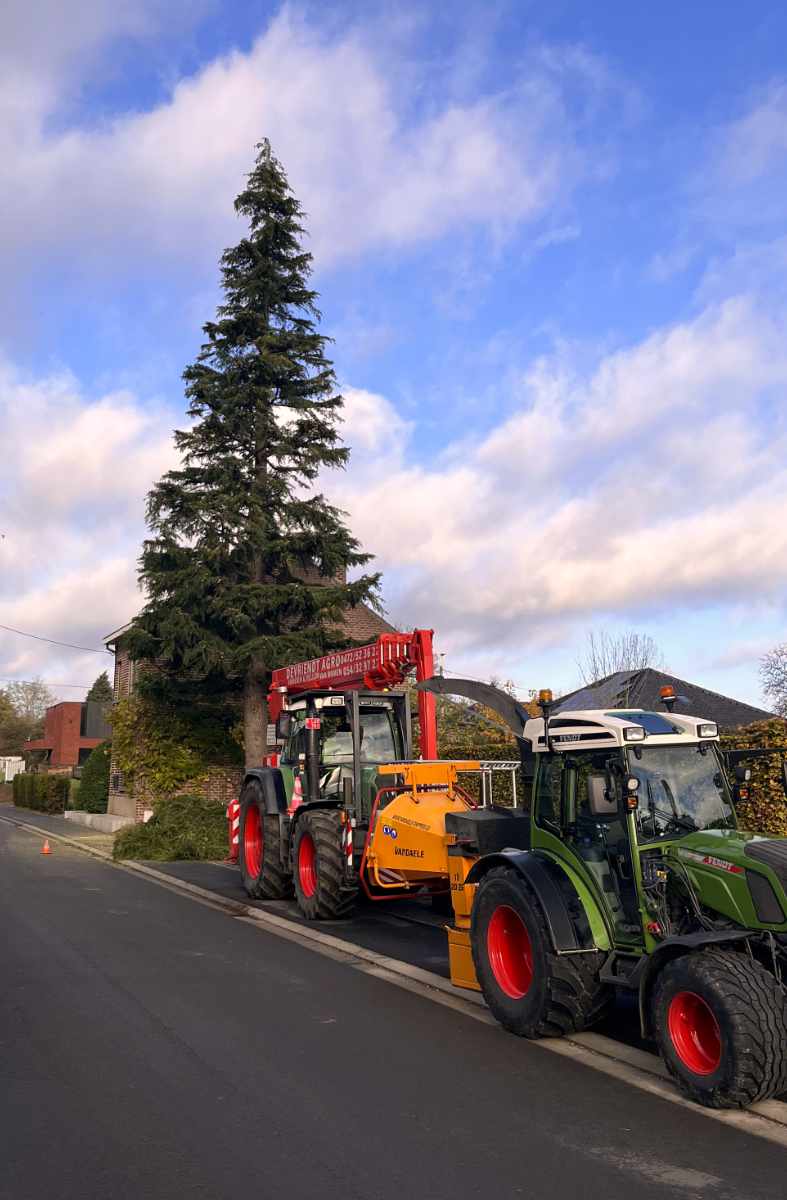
(550,244)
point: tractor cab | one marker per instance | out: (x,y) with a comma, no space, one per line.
(614,789)
(333,743)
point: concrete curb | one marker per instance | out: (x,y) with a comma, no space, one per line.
(768,1119)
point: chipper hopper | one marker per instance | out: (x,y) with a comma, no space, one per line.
(620,865)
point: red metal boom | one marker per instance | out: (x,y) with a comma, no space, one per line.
(382,664)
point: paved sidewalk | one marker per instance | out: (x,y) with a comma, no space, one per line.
(52,823)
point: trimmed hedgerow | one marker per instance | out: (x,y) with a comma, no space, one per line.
(44,793)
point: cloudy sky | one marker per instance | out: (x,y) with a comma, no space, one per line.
(551,244)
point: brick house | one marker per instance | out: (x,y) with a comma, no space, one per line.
(71,730)
(223,782)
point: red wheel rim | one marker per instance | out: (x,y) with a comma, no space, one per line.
(307,865)
(695,1033)
(510,952)
(252,841)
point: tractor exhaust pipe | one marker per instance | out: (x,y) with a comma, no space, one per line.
(312,749)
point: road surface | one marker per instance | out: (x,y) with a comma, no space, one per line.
(151,1046)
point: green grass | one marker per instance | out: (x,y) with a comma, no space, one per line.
(184,827)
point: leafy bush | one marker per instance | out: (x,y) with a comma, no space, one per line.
(182,827)
(766,809)
(94,785)
(44,793)
(163,749)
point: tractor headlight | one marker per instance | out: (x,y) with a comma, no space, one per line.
(708,729)
(634,733)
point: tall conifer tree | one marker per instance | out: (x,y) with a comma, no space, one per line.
(245,566)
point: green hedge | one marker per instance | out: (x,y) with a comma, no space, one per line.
(766,809)
(45,793)
(183,827)
(94,785)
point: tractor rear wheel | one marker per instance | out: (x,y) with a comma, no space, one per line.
(532,991)
(260,856)
(720,1020)
(318,861)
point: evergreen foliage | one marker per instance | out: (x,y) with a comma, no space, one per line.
(237,526)
(93,791)
(101,690)
(182,827)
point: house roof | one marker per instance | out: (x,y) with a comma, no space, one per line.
(640,689)
(361,623)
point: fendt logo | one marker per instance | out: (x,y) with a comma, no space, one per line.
(390,832)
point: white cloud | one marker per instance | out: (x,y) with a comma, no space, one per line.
(74,481)
(369,172)
(654,483)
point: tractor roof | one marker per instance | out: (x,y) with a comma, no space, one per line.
(596,728)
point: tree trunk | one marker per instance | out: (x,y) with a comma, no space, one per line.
(255,717)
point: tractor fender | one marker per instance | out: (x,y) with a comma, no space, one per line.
(272,784)
(647,970)
(563,908)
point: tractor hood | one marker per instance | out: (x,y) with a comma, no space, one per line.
(739,875)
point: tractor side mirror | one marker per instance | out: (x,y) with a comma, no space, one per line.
(283,726)
(602,797)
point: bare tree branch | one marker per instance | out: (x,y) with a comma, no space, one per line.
(773,673)
(606,653)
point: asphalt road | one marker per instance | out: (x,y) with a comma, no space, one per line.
(152,1047)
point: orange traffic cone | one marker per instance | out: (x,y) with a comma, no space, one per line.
(45,849)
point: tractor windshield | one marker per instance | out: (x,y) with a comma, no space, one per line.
(681,789)
(378,740)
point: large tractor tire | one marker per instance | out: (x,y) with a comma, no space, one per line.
(260,857)
(318,868)
(532,991)
(720,1020)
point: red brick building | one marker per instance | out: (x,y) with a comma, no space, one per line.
(71,730)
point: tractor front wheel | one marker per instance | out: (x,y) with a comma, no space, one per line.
(720,1020)
(532,991)
(262,869)
(318,861)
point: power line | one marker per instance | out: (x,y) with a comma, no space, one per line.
(54,642)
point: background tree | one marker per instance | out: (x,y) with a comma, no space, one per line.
(22,709)
(100,690)
(94,783)
(773,673)
(606,653)
(237,529)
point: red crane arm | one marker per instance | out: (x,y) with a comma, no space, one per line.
(381,664)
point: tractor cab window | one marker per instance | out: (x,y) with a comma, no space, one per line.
(295,745)
(681,789)
(563,808)
(549,795)
(379,742)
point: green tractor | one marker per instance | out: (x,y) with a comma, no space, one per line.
(627,870)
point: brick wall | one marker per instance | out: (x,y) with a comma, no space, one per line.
(219,784)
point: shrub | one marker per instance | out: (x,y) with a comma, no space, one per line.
(766,810)
(44,793)
(182,827)
(94,784)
